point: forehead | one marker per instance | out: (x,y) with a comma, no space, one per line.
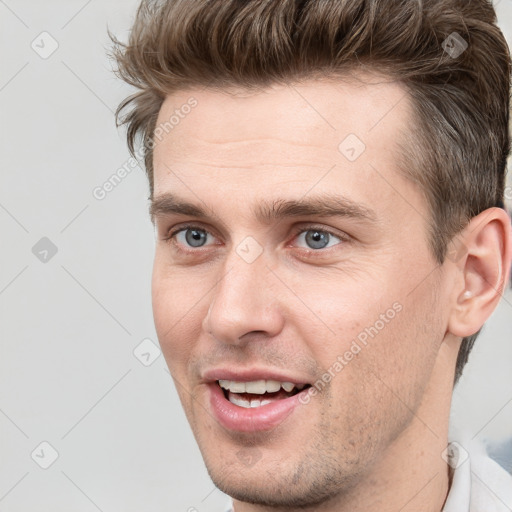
(287,134)
(333,102)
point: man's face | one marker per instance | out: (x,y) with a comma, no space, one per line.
(340,300)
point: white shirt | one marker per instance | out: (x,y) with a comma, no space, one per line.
(479,484)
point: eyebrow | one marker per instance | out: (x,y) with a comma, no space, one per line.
(268,211)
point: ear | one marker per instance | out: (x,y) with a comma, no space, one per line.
(484,254)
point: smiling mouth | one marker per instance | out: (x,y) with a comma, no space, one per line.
(259,393)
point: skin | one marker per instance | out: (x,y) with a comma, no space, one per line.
(374,436)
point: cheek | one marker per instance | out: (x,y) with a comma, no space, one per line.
(400,354)
(370,329)
(176,311)
(334,309)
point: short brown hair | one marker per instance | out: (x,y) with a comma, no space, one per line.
(449,54)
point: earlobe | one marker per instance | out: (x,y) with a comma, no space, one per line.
(484,270)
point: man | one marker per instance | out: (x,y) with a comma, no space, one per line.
(326,182)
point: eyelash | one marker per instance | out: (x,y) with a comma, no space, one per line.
(297,231)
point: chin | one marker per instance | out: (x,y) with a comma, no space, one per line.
(266,490)
(249,477)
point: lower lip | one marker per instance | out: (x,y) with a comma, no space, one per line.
(241,419)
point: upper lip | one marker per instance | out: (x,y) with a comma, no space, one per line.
(250,375)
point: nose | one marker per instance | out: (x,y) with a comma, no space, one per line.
(244,303)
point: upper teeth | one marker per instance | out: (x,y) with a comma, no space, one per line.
(258,387)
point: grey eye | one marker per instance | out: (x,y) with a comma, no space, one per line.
(317,239)
(194,237)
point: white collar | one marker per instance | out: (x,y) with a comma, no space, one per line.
(479,483)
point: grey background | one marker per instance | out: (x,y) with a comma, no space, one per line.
(69,325)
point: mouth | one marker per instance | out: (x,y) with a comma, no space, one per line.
(251,406)
(258,393)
